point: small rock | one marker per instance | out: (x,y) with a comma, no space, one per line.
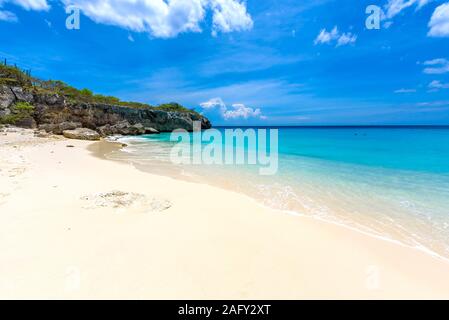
(151,131)
(41,134)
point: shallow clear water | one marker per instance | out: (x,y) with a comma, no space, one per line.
(391,182)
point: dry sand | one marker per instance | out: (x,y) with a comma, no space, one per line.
(75,226)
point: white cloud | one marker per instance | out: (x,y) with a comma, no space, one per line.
(230,15)
(437,66)
(436,85)
(241,111)
(439,23)
(37,5)
(433,104)
(387,24)
(394,7)
(405,91)
(131,38)
(346,38)
(326,37)
(237,110)
(341,39)
(214,103)
(7,16)
(167,18)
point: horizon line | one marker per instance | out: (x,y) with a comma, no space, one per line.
(445,126)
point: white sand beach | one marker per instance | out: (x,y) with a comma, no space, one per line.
(75,226)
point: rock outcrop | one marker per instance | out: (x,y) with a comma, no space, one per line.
(59,128)
(54,113)
(81,134)
(7,98)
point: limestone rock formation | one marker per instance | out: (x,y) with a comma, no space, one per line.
(55,114)
(82,134)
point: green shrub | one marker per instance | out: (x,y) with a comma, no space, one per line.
(9,119)
(86,92)
(23,107)
(136,105)
(20,111)
(10,74)
(175,107)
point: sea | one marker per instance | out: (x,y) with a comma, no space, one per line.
(389,182)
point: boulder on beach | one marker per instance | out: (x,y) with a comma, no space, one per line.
(81,134)
(149,130)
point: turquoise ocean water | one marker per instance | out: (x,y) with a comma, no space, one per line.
(389,182)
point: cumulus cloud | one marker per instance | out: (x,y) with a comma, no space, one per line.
(230,15)
(439,22)
(394,7)
(334,36)
(236,111)
(214,103)
(437,85)
(241,111)
(7,16)
(436,66)
(167,18)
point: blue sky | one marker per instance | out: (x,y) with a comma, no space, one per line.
(273,62)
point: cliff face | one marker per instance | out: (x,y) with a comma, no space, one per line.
(54,113)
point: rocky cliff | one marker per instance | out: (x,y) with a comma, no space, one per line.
(55,113)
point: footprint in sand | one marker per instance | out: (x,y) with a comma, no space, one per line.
(14,172)
(125,200)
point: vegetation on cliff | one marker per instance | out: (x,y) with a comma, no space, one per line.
(13,76)
(55,107)
(20,111)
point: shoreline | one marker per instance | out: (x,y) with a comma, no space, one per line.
(105,146)
(53,247)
